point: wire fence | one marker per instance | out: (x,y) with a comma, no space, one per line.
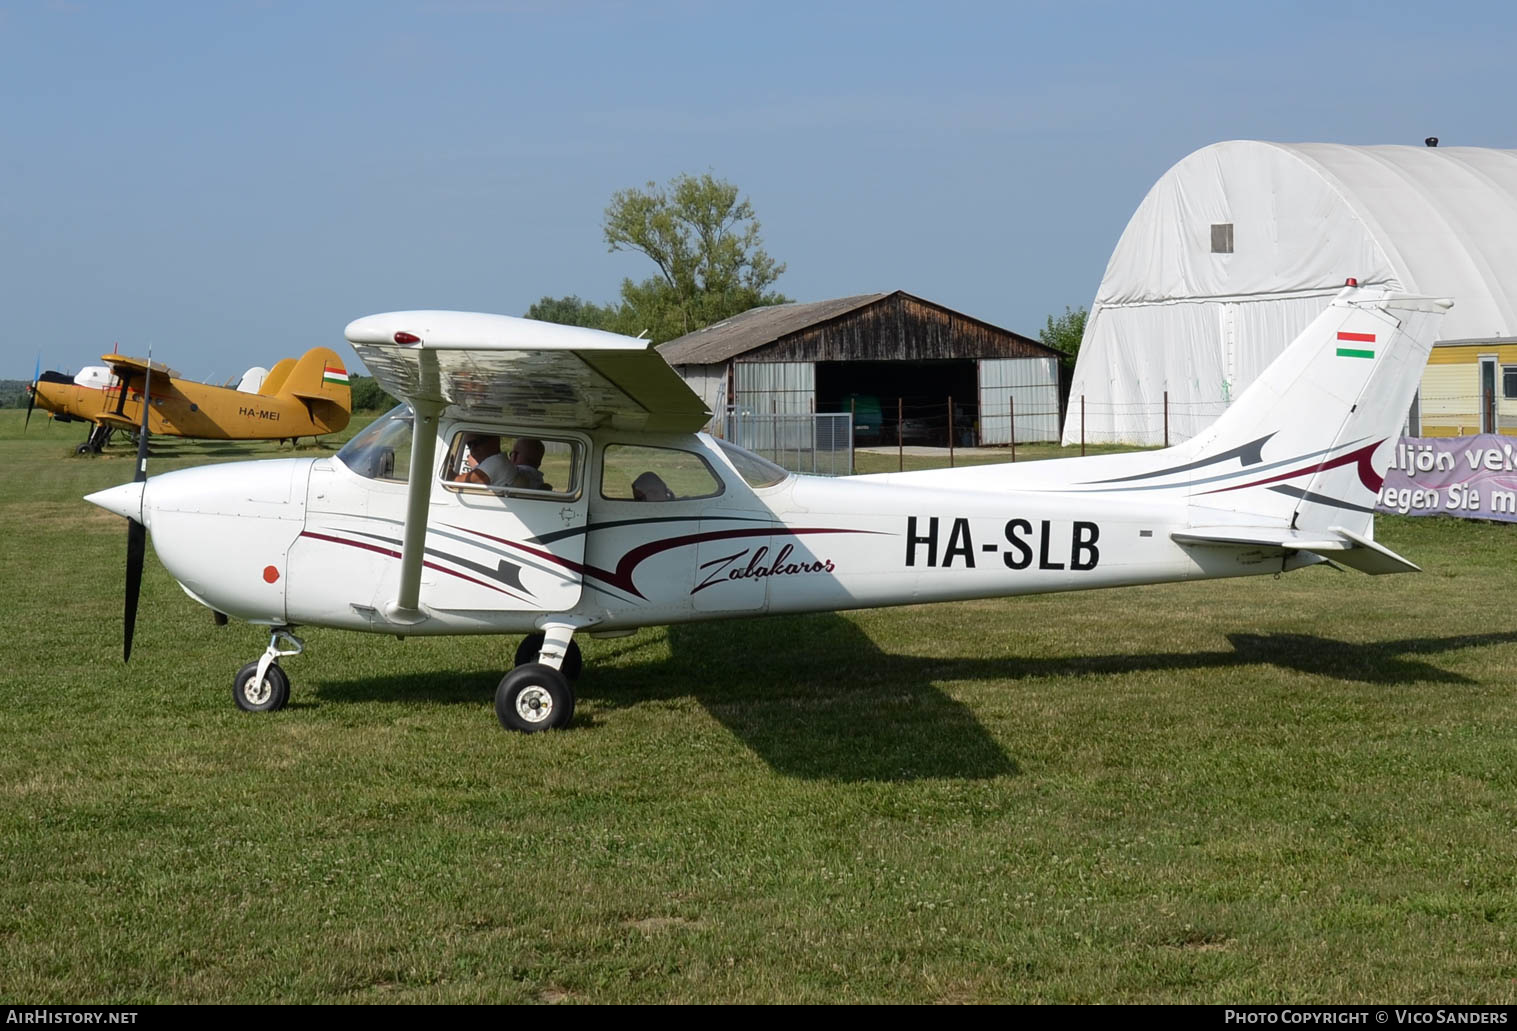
(1459,415)
(820,443)
(1169,421)
(1162,422)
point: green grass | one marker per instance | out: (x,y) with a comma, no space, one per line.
(1259,790)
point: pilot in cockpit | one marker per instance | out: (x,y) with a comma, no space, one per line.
(484,463)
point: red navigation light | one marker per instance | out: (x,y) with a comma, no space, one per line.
(407,338)
(1350,281)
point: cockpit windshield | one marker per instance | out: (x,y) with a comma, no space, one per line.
(383,450)
(755,471)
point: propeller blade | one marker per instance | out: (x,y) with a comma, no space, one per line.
(32,401)
(147,386)
(136,533)
(136,546)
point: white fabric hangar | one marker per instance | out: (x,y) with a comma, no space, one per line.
(1240,245)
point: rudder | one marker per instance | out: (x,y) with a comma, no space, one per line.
(320,379)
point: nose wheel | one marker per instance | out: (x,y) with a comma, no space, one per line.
(262,686)
(261,694)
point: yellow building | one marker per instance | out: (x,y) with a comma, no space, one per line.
(1469,387)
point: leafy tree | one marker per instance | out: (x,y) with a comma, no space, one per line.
(369,396)
(1064,333)
(571,311)
(705,242)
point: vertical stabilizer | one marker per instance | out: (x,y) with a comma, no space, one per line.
(1315,433)
(320,379)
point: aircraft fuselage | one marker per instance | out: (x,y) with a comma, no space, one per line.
(323,546)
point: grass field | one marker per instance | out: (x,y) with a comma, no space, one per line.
(1261,790)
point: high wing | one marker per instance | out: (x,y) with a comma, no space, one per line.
(518,370)
(534,373)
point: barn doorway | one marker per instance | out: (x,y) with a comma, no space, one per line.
(919,390)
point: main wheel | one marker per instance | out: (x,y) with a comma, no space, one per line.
(572,665)
(272,694)
(534,697)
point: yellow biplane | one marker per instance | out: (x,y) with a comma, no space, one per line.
(303,397)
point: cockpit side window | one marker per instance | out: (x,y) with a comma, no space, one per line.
(487,460)
(382,450)
(637,473)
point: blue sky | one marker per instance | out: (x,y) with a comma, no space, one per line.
(230,183)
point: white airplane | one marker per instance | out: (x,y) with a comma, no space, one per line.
(382,538)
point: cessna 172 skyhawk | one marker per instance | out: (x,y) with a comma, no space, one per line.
(384,538)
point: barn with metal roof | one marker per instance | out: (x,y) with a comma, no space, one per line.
(1241,244)
(886,353)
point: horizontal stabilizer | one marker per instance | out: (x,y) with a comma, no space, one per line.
(1375,559)
(1339,545)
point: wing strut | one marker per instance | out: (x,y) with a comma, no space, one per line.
(428,405)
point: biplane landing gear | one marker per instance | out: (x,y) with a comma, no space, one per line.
(96,441)
(537,695)
(262,686)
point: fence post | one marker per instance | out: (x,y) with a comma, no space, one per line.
(950,431)
(900,451)
(1082,425)
(1011,417)
(1166,418)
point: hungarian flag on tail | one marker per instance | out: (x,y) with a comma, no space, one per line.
(334,374)
(1356,352)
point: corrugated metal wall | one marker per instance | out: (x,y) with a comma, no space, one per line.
(710,382)
(1034,384)
(783,388)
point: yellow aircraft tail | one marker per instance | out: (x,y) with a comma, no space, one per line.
(274,381)
(320,379)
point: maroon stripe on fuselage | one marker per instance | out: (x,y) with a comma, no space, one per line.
(626,566)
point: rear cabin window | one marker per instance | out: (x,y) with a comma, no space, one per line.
(636,473)
(489,461)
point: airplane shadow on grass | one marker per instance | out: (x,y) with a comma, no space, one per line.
(815,697)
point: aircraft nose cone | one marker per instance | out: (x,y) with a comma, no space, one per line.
(125,500)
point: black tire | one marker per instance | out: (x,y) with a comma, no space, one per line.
(572,666)
(84,449)
(534,697)
(271,697)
